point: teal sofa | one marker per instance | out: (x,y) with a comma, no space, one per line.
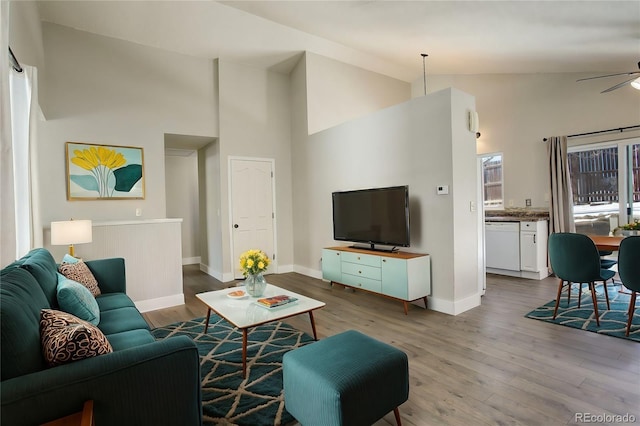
(142,382)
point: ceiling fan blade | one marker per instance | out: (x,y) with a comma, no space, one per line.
(610,75)
(619,85)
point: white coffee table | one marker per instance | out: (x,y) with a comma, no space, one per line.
(244,313)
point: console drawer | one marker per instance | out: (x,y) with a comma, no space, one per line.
(361,259)
(365,271)
(362,282)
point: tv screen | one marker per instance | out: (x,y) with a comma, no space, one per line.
(373,216)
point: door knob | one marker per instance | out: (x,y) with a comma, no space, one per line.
(235,226)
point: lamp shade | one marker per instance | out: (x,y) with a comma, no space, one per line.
(71,232)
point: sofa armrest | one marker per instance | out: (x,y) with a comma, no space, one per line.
(110,274)
(156,383)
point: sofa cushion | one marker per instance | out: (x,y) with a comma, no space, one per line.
(77,300)
(110,301)
(80,272)
(43,267)
(22,299)
(121,319)
(129,339)
(66,338)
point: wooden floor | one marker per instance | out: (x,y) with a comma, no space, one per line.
(486,366)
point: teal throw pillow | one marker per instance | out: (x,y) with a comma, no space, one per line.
(69,259)
(76,299)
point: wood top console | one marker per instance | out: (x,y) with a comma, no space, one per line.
(399,275)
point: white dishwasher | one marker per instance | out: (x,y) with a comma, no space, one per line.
(502,245)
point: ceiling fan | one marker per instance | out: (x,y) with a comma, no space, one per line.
(635,81)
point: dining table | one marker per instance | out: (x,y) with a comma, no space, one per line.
(607,242)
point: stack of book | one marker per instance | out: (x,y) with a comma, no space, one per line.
(275,301)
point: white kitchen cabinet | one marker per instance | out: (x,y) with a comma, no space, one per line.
(517,248)
(533,248)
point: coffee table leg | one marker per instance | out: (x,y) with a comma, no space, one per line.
(313,325)
(244,352)
(206,323)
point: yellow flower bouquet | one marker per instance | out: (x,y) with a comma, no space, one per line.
(254,262)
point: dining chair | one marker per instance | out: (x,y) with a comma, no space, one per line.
(606,264)
(629,271)
(575,260)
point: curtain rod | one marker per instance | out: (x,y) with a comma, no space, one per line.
(617,129)
(14,62)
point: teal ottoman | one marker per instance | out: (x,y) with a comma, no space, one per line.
(348,379)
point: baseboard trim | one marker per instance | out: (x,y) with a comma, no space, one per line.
(160,302)
(440,305)
(313,273)
(216,274)
(435,304)
(454,308)
(283,269)
(191,260)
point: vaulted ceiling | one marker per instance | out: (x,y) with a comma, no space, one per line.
(460,37)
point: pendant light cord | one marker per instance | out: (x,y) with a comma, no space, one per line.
(424,71)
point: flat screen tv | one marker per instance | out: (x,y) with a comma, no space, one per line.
(372,216)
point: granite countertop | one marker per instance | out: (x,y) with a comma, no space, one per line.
(516,215)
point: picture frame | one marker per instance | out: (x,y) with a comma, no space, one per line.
(104,172)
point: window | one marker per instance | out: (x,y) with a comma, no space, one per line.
(605,180)
(493,194)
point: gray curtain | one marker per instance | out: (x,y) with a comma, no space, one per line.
(561,205)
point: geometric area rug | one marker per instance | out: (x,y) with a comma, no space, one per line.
(613,322)
(227,397)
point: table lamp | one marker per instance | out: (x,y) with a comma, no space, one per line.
(71,232)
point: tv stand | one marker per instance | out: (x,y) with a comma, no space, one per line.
(398,275)
(374,248)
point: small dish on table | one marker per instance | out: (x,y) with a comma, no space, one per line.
(237,294)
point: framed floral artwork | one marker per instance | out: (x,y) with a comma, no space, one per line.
(104,172)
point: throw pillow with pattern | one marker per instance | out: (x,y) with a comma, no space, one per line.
(66,338)
(81,273)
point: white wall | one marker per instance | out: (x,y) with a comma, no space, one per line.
(337,92)
(96,89)
(25,33)
(422,143)
(517,111)
(211,230)
(255,121)
(183,202)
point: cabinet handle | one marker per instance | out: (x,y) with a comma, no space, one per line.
(358,257)
(359,272)
(384,260)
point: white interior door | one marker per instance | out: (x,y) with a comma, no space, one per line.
(252,209)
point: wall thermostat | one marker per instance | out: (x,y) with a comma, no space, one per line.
(442,189)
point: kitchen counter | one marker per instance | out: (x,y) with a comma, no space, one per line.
(514,218)
(516,215)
